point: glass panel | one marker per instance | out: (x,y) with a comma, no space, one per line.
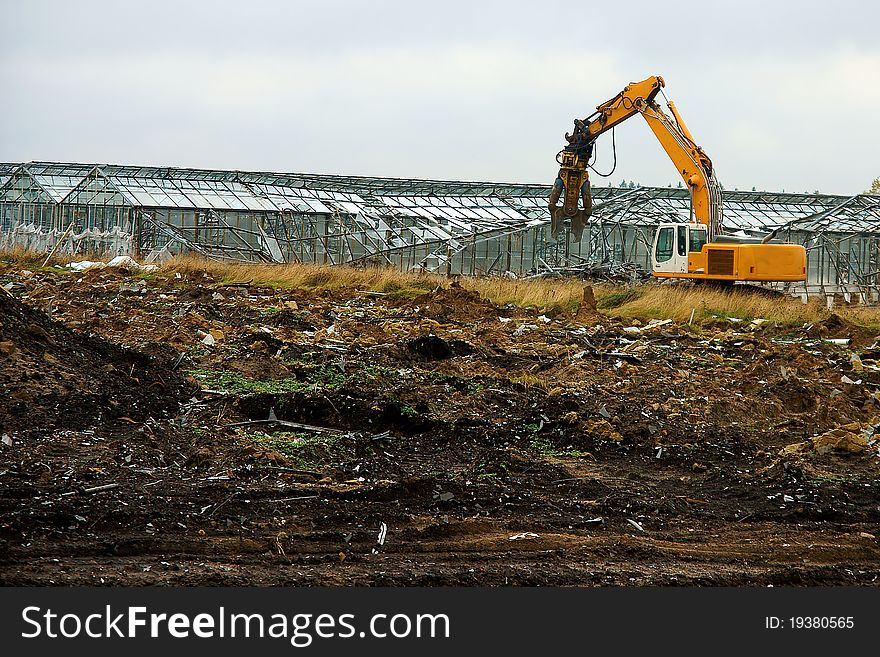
(664,244)
(698,239)
(682,240)
(57,186)
(317,206)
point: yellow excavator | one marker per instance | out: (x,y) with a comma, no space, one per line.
(695,249)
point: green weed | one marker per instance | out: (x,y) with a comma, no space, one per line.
(616,299)
(306,451)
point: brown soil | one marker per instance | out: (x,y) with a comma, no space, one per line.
(57,378)
(497,447)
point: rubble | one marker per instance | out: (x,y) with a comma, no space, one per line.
(850,438)
(123,262)
(259,433)
(603,271)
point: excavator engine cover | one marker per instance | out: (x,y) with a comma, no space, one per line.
(719,262)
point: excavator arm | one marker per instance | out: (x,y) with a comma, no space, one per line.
(634,98)
(692,163)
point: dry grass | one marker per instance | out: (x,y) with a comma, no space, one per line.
(310,277)
(33,260)
(864,316)
(537,293)
(20,255)
(677,302)
(649,301)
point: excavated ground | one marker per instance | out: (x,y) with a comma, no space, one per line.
(174,430)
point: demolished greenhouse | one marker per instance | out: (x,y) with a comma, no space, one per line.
(443,226)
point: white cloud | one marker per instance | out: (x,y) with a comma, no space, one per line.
(399,89)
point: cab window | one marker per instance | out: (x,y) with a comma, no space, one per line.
(665,241)
(682,240)
(698,239)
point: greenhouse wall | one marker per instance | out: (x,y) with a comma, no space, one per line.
(457,227)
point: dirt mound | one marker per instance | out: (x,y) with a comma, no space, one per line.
(53,377)
(836,327)
(587,309)
(455,302)
(833,327)
(852,438)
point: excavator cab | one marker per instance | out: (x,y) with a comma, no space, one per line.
(674,244)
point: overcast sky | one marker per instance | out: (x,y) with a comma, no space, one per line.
(781,95)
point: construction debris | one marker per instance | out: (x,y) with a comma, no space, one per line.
(853,438)
(312,418)
(606,272)
(120,262)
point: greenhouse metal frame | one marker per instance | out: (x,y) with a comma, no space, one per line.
(453,227)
